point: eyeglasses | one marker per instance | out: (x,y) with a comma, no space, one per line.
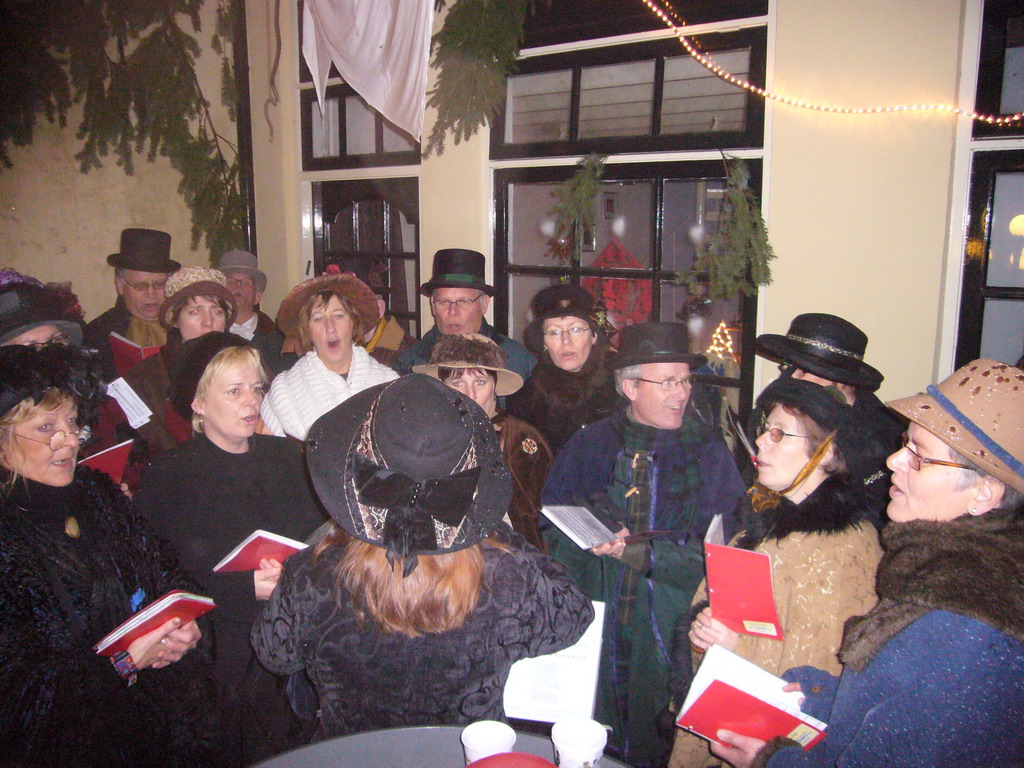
(147,285)
(239,282)
(57,439)
(575,332)
(60,339)
(459,304)
(916,459)
(775,434)
(667,385)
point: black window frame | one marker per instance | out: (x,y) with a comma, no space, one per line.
(985,166)
(659,172)
(991,61)
(752,136)
(343,161)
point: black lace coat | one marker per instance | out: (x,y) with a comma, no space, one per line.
(369,679)
(60,703)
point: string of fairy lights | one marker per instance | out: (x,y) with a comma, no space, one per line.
(677,25)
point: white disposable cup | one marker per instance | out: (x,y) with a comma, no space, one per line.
(579,742)
(485,738)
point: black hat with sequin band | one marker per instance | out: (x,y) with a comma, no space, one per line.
(825,345)
(411,466)
(979,413)
(29,372)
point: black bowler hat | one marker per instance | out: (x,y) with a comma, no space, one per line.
(457,268)
(410,466)
(825,345)
(144,250)
(655,343)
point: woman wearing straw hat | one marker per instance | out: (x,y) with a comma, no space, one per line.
(476,366)
(327,316)
(415,606)
(934,674)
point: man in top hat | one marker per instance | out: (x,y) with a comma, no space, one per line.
(141,267)
(247,282)
(652,466)
(459,298)
(828,350)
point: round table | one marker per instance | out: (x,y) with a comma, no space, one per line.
(430,746)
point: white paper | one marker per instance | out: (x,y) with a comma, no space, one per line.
(135,410)
(557,685)
(720,664)
(579,524)
(715,534)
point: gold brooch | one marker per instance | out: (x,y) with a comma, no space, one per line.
(530,445)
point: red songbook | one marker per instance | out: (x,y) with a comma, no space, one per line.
(740,586)
(732,693)
(113,460)
(127,353)
(258,545)
(175,604)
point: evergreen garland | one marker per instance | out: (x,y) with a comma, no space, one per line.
(132,66)
(475,52)
(574,211)
(735,258)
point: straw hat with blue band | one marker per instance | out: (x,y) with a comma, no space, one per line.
(979,413)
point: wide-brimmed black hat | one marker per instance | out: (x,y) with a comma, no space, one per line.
(144,250)
(825,345)
(411,466)
(559,300)
(655,343)
(457,268)
(29,372)
(24,307)
(858,445)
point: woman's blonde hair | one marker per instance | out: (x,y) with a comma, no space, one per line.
(240,355)
(436,597)
(322,299)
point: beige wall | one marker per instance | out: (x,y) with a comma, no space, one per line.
(859,204)
(858,207)
(59,224)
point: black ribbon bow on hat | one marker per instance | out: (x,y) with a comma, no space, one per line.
(413,506)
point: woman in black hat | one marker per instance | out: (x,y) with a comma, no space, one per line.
(36,315)
(413,609)
(74,563)
(205,496)
(814,519)
(571,386)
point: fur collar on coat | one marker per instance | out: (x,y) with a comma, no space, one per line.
(973,566)
(567,389)
(836,505)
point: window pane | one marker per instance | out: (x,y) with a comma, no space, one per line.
(623,232)
(360,123)
(521,289)
(1002,335)
(1006,245)
(1012,97)
(397,140)
(692,209)
(695,101)
(616,100)
(532,226)
(326,136)
(537,107)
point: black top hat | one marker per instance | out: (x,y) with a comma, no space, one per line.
(559,300)
(655,343)
(457,268)
(25,307)
(854,440)
(145,250)
(825,345)
(411,466)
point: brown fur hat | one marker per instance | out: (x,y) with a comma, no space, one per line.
(472,350)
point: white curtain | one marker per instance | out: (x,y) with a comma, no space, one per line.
(381,49)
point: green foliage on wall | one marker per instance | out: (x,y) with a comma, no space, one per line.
(131,64)
(474,52)
(735,258)
(574,211)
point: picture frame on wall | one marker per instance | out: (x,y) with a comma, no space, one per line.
(609,205)
(588,241)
